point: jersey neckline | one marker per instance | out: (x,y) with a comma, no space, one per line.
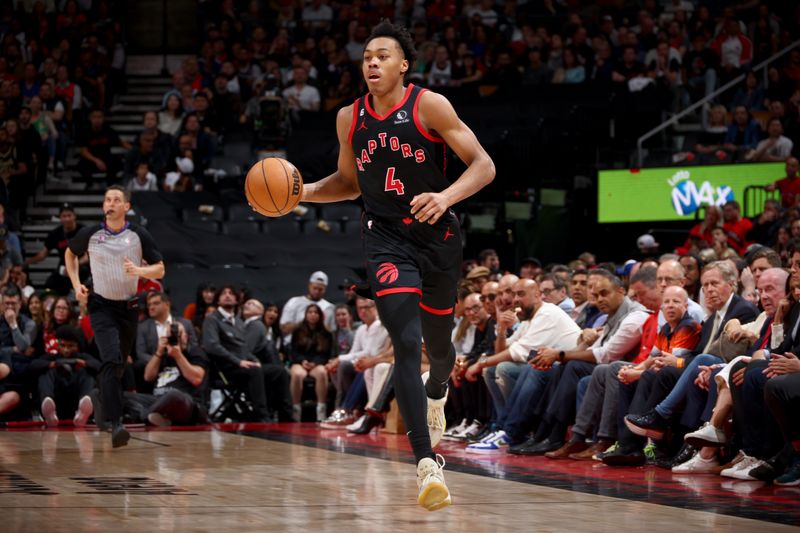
(111,232)
(401,103)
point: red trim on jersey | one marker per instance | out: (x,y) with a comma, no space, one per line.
(397,290)
(433,311)
(425,133)
(389,113)
(355,120)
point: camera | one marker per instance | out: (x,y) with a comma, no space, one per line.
(174,335)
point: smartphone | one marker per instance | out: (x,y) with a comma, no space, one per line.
(532,355)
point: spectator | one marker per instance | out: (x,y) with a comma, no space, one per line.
(143,181)
(8,257)
(317,16)
(343,331)
(699,65)
(57,239)
(734,49)
(300,96)
(530,268)
(61,313)
(195,312)
(571,72)
(789,186)
(294,310)
(311,349)
(775,147)
(554,291)
(17,335)
(68,375)
(144,153)
(467,72)
(700,236)
(224,341)
(736,227)
(95,145)
(12,167)
(441,70)
(536,73)
(181,179)
(171,117)
(750,94)
(743,134)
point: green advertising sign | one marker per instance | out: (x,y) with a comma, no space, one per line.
(675,193)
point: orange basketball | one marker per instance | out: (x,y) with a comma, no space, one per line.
(273,187)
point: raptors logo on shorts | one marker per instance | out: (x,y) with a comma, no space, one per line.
(387,273)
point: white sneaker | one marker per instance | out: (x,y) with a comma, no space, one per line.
(85,410)
(297,412)
(741,469)
(491,443)
(355,425)
(322,412)
(451,433)
(49,412)
(157,419)
(697,465)
(433,493)
(471,432)
(708,435)
(436,419)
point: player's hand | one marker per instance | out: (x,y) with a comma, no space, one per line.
(130,268)
(429,207)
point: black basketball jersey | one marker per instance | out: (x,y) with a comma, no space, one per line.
(396,157)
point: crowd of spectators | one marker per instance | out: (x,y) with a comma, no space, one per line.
(667,347)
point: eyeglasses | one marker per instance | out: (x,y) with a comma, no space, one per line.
(546,291)
(491,296)
(473,309)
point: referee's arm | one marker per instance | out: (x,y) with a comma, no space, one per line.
(71,264)
(154,271)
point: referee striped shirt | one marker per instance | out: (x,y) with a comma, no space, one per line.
(107,252)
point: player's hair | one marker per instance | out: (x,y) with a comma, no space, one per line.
(385,28)
(125,194)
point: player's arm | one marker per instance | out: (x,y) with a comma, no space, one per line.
(437,114)
(342,184)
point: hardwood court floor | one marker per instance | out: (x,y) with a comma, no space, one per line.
(294,478)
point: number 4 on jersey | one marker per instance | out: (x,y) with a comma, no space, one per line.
(393,184)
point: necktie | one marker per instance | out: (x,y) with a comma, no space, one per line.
(713,336)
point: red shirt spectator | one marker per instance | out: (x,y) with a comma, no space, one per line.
(736,227)
(701,236)
(789,186)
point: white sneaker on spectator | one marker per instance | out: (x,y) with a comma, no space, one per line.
(297,412)
(708,435)
(493,442)
(741,469)
(355,425)
(49,412)
(436,418)
(322,412)
(433,493)
(339,419)
(697,465)
(451,433)
(85,410)
(472,431)
(157,419)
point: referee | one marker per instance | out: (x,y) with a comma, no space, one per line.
(116,250)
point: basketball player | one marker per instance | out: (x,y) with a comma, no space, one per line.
(116,249)
(392,152)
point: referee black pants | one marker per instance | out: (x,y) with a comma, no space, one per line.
(114,326)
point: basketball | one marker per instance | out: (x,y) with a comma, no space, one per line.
(273,187)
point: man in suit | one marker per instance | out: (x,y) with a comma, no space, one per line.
(151,335)
(275,374)
(719,281)
(224,342)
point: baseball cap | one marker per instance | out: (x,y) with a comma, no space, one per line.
(347,283)
(66,206)
(530,261)
(625,270)
(319,277)
(184,164)
(477,272)
(646,241)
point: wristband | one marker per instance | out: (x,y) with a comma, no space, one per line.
(679,363)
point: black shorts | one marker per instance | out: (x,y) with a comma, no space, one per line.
(406,256)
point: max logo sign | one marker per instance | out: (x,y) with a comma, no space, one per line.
(687,196)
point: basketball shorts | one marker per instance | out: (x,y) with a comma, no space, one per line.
(406,256)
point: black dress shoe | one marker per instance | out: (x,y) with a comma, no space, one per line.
(772,467)
(686,452)
(516,449)
(650,424)
(119,436)
(540,447)
(622,458)
(370,422)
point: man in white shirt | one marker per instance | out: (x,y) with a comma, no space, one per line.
(543,324)
(295,309)
(301,96)
(775,147)
(371,339)
(317,15)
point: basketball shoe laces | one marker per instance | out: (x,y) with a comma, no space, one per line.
(436,419)
(431,472)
